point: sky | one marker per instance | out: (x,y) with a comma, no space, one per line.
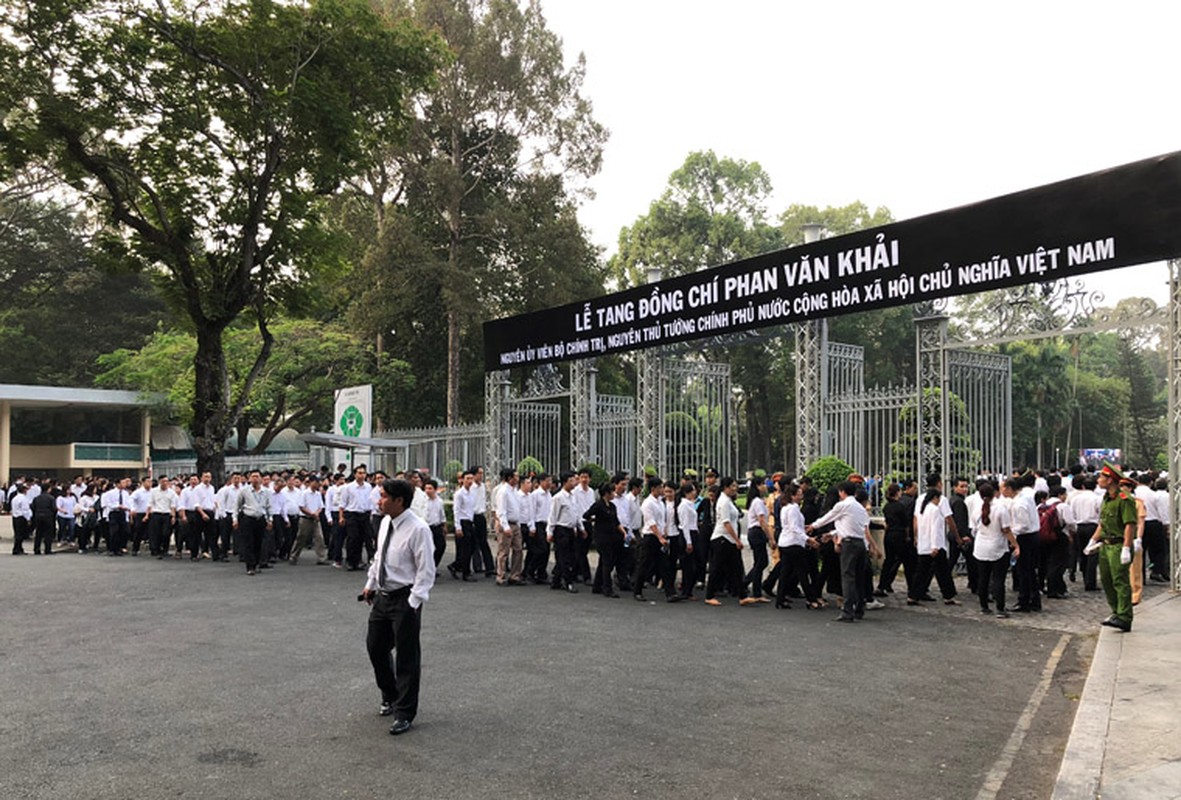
(916,106)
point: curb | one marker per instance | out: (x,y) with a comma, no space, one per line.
(1082,762)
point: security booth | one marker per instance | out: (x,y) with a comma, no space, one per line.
(57,431)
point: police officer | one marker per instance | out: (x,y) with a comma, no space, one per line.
(1113,540)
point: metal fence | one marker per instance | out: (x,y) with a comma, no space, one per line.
(698,417)
(613,428)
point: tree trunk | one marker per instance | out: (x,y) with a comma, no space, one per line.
(211,423)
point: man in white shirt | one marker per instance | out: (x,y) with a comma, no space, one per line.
(204,508)
(583,498)
(561,530)
(1024,523)
(1058,553)
(115,510)
(653,554)
(311,503)
(537,557)
(435,518)
(1154,542)
(508,530)
(463,509)
(189,521)
(851,524)
(225,502)
(22,516)
(140,514)
(399,582)
(353,516)
(1084,505)
(162,504)
(482,560)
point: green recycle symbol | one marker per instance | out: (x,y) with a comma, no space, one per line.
(351,421)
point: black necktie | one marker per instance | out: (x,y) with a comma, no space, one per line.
(385,546)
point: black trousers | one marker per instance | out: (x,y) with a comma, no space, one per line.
(117,531)
(252,530)
(158,526)
(652,559)
(395,627)
(1086,564)
(194,533)
(929,566)
(463,548)
(139,531)
(793,570)
(439,535)
(482,560)
(1057,559)
(900,552)
(582,570)
(610,547)
(20,532)
(701,554)
(356,526)
(991,581)
(830,568)
(44,528)
(1156,549)
(854,564)
(1028,584)
(680,558)
(565,552)
(758,548)
(627,563)
(537,554)
(725,569)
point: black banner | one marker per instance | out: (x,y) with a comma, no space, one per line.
(1115,218)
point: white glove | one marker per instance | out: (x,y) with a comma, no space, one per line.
(1138,544)
(1125,555)
(1092,547)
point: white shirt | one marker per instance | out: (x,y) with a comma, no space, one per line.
(112,500)
(140,499)
(508,506)
(1023,516)
(311,501)
(292,498)
(78,489)
(583,499)
(463,505)
(1162,506)
(226,501)
(542,500)
(654,515)
(162,501)
(435,513)
(561,513)
(354,498)
(1085,506)
(990,543)
(848,517)
(204,497)
(375,500)
(756,509)
(187,501)
(687,516)
(417,504)
(409,558)
(725,512)
(479,498)
(22,505)
(932,525)
(330,499)
(791,526)
(65,506)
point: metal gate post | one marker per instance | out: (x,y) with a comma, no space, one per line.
(1174,417)
(496,388)
(582,412)
(931,359)
(811,344)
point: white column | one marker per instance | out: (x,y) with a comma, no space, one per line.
(5,440)
(146,438)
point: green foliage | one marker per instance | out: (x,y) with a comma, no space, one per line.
(598,475)
(904,453)
(452,470)
(208,136)
(295,390)
(528,465)
(827,471)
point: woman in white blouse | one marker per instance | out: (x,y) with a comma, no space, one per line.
(793,543)
(994,540)
(686,520)
(726,549)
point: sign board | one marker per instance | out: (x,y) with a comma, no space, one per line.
(352,416)
(1115,218)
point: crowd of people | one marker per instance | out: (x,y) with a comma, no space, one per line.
(679,538)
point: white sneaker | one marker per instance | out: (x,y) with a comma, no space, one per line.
(874,605)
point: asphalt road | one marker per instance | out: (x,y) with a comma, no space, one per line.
(136,678)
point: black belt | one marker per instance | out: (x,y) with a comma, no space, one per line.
(1113,540)
(395,593)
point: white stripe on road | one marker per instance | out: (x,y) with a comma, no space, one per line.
(1004,762)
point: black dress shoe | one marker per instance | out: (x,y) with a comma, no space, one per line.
(639,598)
(454,572)
(386,709)
(571,588)
(673,598)
(783,605)
(399,727)
(879,593)
(843,618)
(928,597)
(1110,621)
(470,579)
(1120,625)
(611,594)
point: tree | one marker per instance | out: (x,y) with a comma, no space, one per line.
(1040,383)
(712,212)
(506,111)
(904,453)
(63,304)
(310,360)
(208,135)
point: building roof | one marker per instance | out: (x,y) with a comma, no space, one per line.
(19,396)
(352,442)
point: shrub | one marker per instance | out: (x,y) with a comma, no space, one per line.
(827,471)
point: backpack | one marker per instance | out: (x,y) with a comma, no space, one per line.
(1049,528)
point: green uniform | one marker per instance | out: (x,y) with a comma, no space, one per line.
(1116,513)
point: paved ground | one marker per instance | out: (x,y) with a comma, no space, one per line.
(138,678)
